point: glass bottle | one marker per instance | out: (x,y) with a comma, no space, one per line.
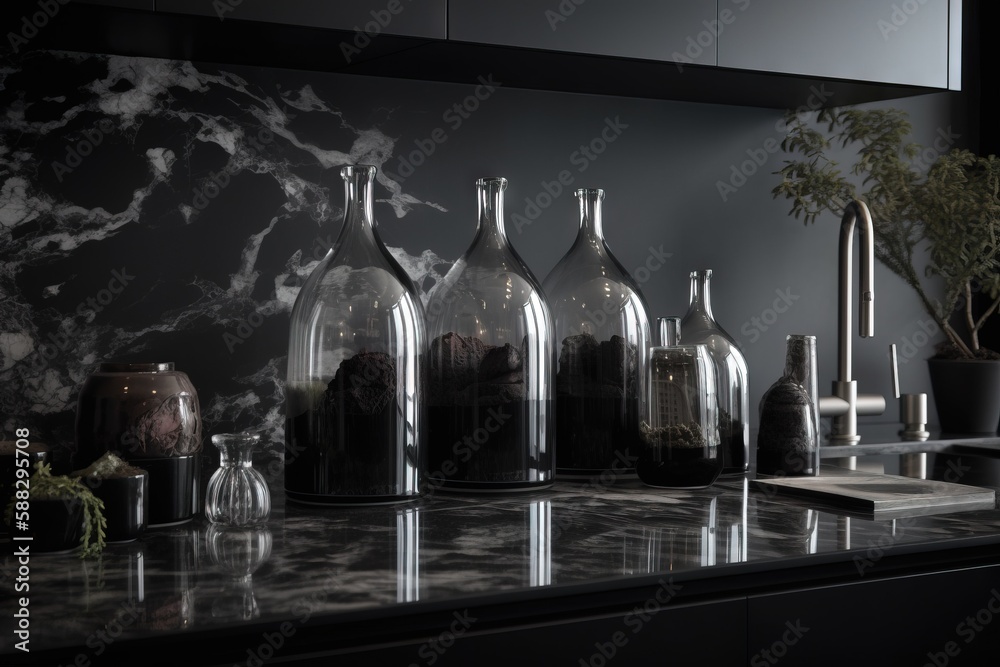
(670,331)
(237,494)
(602,334)
(490,377)
(355,420)
(788,436)
(699,326)
(681,429)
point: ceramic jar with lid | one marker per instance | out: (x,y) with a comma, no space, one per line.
(148,414)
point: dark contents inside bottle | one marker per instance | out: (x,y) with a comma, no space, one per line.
(735,454)
(347,443)
(676,456)
(480,423)
(597,405)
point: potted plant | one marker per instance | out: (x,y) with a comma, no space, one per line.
(124,490)
(945,212)
(59,514)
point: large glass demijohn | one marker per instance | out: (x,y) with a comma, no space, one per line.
(602,340)
(355,411)
(490,377)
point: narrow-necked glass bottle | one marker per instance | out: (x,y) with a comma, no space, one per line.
(602,337)
(699,326)
(490,378)
(788,433)
(354,427)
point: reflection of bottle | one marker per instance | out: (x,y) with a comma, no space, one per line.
(732,532)
(239,552)
(680,433)
(408,555)
(491,356)
(650,550)
(699,326)
(602,334)
(355,378)
(540,543)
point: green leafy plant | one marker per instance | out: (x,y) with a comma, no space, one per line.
(950,214)
(43,485)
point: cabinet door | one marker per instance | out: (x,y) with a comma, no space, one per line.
(413,18)
(679,30)
(890,41)
(925,619)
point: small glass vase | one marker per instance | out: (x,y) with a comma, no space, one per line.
(602,332)
(680,433)
(788,436)
(699,326)
(490,376)
(237,494)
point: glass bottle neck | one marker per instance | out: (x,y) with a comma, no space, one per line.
(491,222)
(358,213)
(591,221)
(701,296)
(800,358)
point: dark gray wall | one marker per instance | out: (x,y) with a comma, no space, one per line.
(208,270)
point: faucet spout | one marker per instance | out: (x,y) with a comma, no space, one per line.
(846,404)
(856,216)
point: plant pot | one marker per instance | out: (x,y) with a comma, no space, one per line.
(126,505)
(967,394)
(55,525)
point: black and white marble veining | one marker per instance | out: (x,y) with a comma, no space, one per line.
(460,548)
(209,197)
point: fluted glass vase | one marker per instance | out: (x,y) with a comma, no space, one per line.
(237,494)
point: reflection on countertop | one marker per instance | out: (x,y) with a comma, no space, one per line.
(330,561)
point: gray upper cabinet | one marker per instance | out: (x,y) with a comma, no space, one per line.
(888,41)
(411,18)
(678,30)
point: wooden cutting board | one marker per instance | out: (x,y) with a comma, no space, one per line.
(880,496)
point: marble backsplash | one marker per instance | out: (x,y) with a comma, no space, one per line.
(161,211)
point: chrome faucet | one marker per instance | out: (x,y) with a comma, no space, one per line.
(846,404)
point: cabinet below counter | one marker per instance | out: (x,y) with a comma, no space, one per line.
(580,572)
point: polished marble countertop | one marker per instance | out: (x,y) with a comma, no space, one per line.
(395,560)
